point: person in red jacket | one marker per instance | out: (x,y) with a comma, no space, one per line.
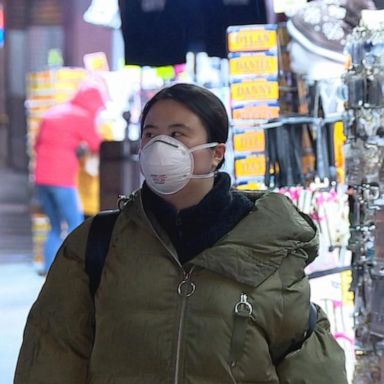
(64,128)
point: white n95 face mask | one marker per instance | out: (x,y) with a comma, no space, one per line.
(167,164)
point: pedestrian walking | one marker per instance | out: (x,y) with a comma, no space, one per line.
(201,284)
(64,129)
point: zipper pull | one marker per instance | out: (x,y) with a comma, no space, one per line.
(186,287)
(243,311)
(243,308)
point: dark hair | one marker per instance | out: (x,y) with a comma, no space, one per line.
(205,104)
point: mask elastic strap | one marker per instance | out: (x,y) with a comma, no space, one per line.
(205,176)
(203,146)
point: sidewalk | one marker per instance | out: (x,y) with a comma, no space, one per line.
(15,217)
(19,282)
(19,287)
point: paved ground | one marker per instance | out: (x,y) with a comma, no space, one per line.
(19,282)
(19,287)
(15,217)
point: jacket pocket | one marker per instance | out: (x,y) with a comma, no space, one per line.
(320,360)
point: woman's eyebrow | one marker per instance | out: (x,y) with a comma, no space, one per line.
(180,125)
(175,125)
(148,126)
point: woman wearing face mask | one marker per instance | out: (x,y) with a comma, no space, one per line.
(201,284)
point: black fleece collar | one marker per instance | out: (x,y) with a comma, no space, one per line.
(196,228)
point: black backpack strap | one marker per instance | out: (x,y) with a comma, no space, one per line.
(99,237)
(312,319)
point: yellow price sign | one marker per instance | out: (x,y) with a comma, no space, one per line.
(346,281)
(256,65)
(250,39)
(250,166)
(255,112)
(339,141)
(260,89)
(251,186)
(252,141)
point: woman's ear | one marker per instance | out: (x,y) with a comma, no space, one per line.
(218,154)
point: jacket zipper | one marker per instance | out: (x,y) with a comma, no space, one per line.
(174,256)
(185,289)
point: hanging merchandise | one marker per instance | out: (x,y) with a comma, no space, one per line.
(161,29)
(103,12)
(169,29)
(284,156)
(364,156)
(326,205)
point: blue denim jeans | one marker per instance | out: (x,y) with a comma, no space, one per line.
(63,208)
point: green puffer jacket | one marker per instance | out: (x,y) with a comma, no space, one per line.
(221,319)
